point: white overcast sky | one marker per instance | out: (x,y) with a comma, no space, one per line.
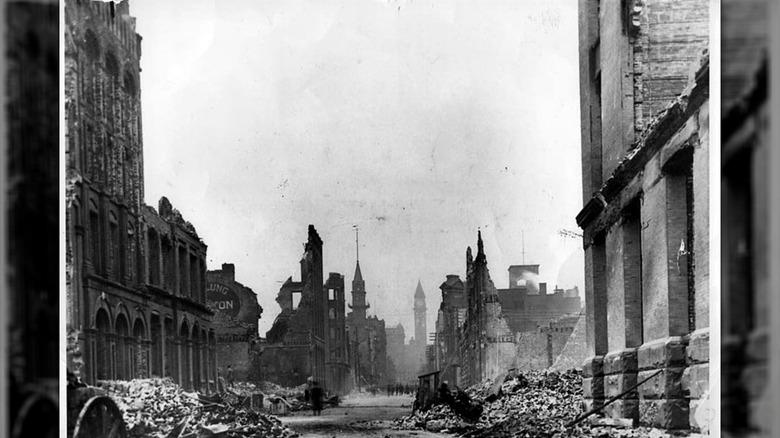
(420,121)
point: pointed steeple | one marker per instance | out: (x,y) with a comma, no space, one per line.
(419,292)
(358,274)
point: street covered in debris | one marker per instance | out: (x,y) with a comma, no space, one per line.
(397,228)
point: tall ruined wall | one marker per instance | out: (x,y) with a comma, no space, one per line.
(300,332)
(102,79)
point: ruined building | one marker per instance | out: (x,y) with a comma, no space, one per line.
(297,344)
(644,84)
(136,296)
(452,313)
(487,348)
(481,331)
(377,351)
(337,363)
(236,315)
(750,209)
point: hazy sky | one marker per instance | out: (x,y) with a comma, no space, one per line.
(419,121)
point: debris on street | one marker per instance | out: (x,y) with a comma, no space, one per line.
(531,404)
(156,407)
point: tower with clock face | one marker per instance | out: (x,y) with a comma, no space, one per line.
(420,327)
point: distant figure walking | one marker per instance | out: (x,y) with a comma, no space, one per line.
(230,378)
(316,398)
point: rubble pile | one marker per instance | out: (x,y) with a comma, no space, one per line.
(531,404)
(154,407)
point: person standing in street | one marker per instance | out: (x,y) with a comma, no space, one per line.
(230,375)
(316,399)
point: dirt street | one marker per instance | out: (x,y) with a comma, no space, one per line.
(357,416)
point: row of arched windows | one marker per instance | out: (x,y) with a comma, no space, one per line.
(122,352)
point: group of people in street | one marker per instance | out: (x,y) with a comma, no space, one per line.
(399,389)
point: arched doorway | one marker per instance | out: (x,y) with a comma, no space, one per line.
(102,348)
(140,361)
(155,329)
(171,367)
(121,363)
(196,350)
(186,356)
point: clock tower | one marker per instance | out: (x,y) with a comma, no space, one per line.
(420,326)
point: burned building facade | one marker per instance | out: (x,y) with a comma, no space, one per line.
(482,331)
(487,347)
(644,86)
(235,322)
(337,363)
(136,297)
(750,220)
(297,344)
(452,313)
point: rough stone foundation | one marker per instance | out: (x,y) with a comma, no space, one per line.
(662,403)
(620,374)
(593,383)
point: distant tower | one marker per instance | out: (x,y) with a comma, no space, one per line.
(358,305)
(420,327)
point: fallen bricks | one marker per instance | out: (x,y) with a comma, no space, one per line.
(533,404)
(159,408)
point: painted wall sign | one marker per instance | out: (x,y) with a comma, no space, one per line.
(222,299)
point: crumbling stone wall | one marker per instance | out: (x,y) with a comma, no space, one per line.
(126,293)
(236,315)
(298,335)
(644,219)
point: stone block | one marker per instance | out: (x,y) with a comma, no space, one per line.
(662,353)
(666,384)
(696,381)
(698,349)
(623,409)
(701,415)
(621,362)
(616,384)
(589,404)
(593,387)
(593,366)
(664,414)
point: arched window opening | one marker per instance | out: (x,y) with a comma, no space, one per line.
(139,352)
(186,356)
(129,83)
(154,257)
(114,249)
(171,359)
(130,253)
(121,359)
(102,349)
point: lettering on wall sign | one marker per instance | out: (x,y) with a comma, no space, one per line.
(222,299)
